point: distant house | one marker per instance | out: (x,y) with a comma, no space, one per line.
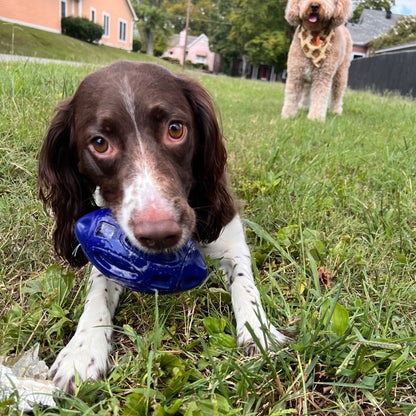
(197,50)
(372,24)
(405,47)
(115,16)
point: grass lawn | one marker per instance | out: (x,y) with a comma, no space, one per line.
(21,40)
(330,217)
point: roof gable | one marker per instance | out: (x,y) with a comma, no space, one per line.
(175,40)
(131,9)
(196,39)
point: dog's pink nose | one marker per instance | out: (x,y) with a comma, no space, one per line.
(158,235)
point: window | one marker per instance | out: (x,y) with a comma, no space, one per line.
(122,30)
(63,9)
(93,14)
(201,59)
(106,25)
(357,55)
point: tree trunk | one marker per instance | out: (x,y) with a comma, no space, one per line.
(244,67)
(148,34)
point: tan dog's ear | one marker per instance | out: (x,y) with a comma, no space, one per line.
(341,12)
(292,12)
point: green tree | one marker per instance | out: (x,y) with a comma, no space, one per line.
(372,5)
(211,17)
(219,35)
(205,15)
(270,48)
(403,31)
(154,23)
(259,31)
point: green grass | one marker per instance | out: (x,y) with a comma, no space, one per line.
(337,196)
(21,40)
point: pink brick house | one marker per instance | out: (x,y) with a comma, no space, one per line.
(197,50)
(116,16)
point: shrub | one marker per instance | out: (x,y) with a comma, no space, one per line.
(81,28)
(201,66)
(137,45)
(171,60)
(198,65)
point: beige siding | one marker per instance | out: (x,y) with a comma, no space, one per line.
(42,14)
(46,15)
(117,11)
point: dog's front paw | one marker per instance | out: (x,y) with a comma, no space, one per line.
(317,116)
(288,113)
(336,109)
(87,357)
(266,338)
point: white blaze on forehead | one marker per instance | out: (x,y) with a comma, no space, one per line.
(141,193)
(142,189)
(128,98)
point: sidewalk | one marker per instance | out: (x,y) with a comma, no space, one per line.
(19,58)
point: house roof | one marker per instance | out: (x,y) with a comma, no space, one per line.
(398,48)
(130,7)
(174,41)
(372,24)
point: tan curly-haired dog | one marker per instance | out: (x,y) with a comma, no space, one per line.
(319,57)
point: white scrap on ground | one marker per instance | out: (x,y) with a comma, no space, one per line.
(25,384)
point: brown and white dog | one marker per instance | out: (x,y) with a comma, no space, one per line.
(319,57)
(146,143)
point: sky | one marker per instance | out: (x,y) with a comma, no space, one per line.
(405,7)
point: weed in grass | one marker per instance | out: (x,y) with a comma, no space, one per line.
(336,197)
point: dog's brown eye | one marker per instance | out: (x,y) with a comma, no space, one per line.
(100,144)
(176,130)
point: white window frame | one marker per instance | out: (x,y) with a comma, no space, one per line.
(122,30)
(357,55)
(106,27)
(201,59)
(93,14)
(60,9)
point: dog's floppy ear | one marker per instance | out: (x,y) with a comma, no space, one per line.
(209,196)
(61,186)
(341,12)
(292,13)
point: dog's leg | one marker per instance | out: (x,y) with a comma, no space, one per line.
(235,261)
(294,84)
(87,352)
(341,76)
(305,97)
(339,84)
(293,91)
(321,89)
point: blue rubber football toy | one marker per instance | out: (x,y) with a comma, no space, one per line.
(108,249)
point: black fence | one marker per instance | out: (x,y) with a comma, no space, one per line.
(388,72)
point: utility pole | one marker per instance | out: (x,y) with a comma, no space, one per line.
(188,12)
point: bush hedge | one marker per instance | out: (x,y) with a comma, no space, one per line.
(81,28)
(199,65)
(137,45)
